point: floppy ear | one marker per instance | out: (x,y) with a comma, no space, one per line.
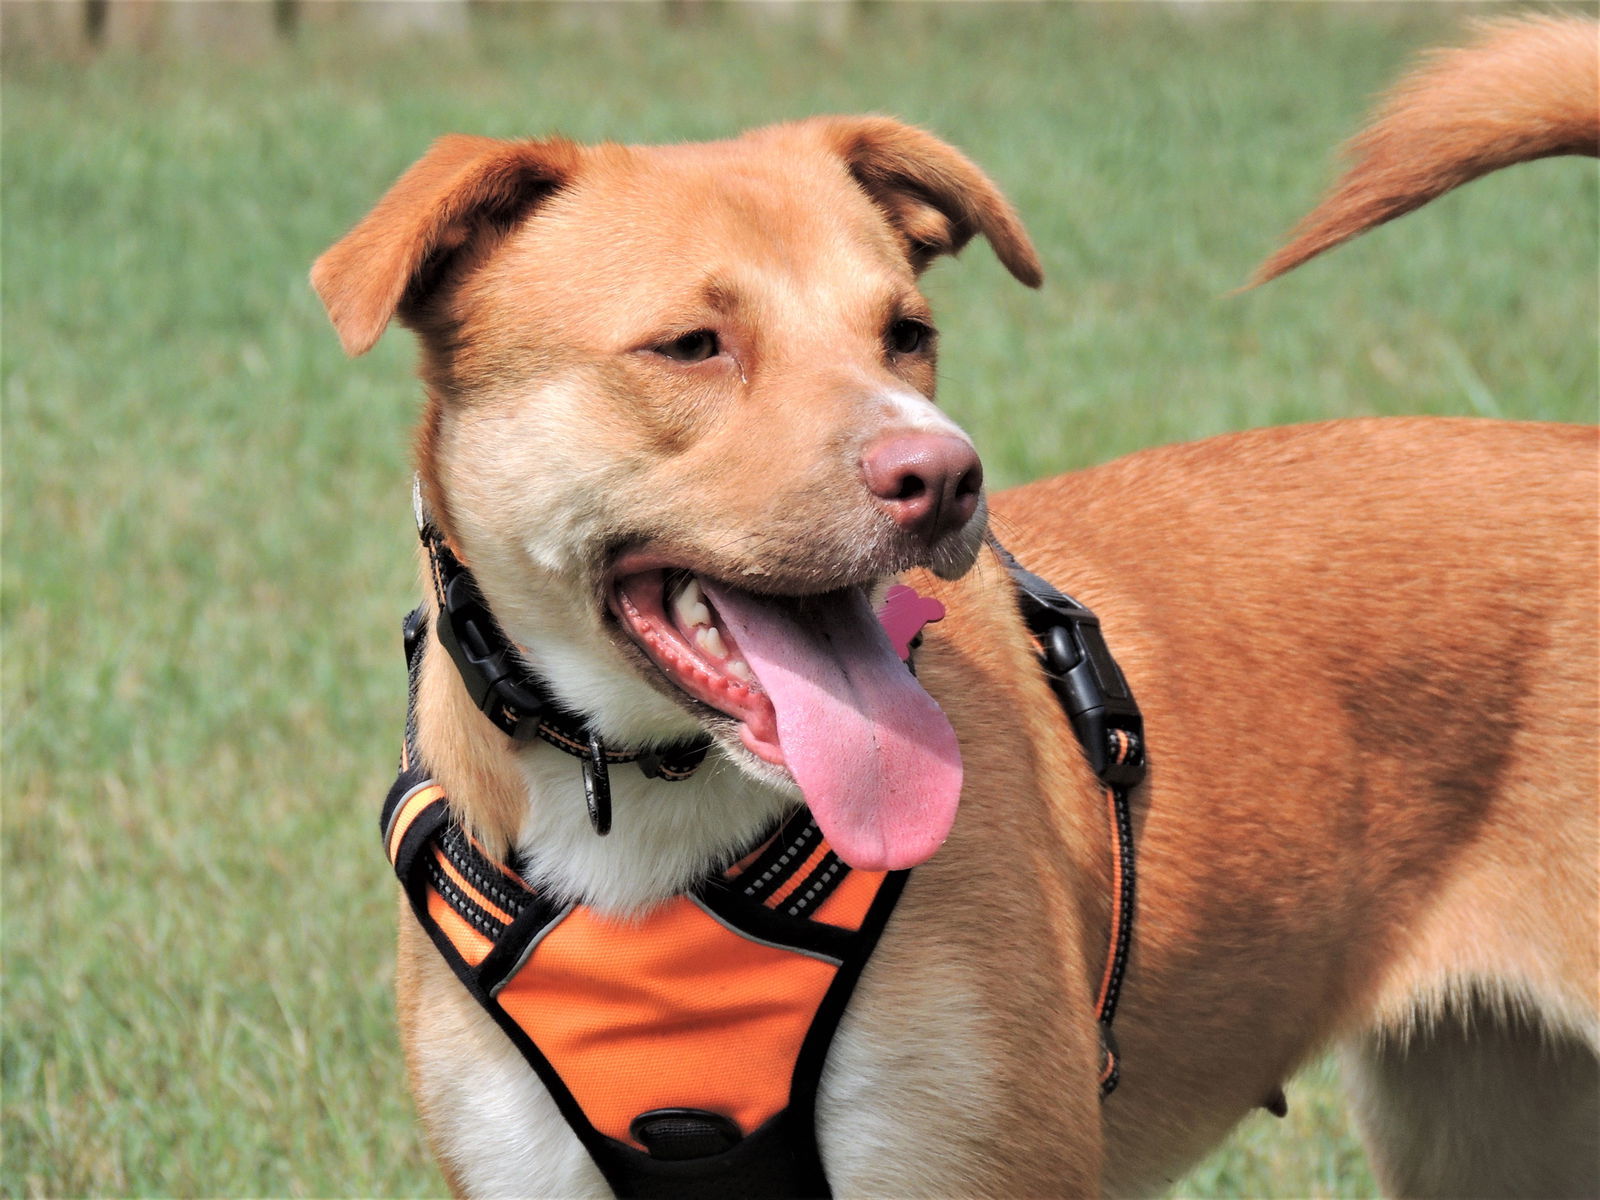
(932,194)
(463,191)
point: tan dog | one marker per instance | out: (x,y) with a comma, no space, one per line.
(1366,652)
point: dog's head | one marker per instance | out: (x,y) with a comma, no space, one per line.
(681,424)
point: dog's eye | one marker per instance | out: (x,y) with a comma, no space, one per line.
(691,347)
(909,336)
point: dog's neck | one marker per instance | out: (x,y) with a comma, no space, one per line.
(528,799)
(665,836)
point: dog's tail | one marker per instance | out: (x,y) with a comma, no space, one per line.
(1528,87)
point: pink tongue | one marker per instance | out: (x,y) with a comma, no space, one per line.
(873,754)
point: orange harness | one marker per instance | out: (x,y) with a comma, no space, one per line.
(684,1047)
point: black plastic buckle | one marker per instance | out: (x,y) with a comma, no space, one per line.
(416,625)
(488,664)
(1091,688)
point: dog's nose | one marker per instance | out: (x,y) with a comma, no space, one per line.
(928,482)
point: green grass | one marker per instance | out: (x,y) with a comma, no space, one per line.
(206,531)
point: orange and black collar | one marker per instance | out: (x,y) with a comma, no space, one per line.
(514,699)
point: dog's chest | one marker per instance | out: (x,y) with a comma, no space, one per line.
(904,1078)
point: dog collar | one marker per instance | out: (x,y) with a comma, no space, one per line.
(510,694)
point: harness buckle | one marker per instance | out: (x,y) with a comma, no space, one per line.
(486,661)
(413,631)
(1091,688)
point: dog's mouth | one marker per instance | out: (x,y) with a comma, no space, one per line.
(816,687)
(668,615)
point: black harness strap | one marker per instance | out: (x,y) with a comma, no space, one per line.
(1109,726)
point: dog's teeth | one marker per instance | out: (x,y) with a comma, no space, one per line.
(709,639)
(690,606)
(740,670)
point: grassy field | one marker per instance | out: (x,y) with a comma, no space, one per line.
(207,543)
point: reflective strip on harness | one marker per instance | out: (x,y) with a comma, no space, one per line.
(412,805)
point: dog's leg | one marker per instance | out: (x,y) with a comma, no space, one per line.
(1478,1102)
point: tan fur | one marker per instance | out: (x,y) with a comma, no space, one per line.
(1379,751)
(1528,87)
(1366,652)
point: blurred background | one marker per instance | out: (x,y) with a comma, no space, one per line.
(207,545)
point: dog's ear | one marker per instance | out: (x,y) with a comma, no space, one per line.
(462,192)
(933,195)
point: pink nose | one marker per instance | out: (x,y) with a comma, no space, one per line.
(928,482)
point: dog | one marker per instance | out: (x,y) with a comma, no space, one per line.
(680,430)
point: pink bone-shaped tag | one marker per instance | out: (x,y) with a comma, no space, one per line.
(905,611)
